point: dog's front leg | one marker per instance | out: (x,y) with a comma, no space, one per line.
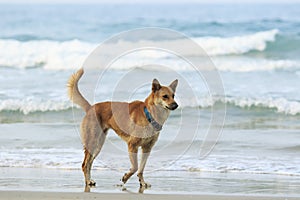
(141,169)
(134,164)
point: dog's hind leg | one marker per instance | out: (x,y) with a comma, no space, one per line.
(134,163)
(86,167)
(91,151)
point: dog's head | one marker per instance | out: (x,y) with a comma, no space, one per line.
(164,95)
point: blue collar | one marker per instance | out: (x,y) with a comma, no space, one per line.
(156,125)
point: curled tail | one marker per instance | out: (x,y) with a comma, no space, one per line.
(74,93)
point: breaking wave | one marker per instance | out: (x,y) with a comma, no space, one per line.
(276,105)
(27,106)
(63,55)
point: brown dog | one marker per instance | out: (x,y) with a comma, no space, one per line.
(137,123)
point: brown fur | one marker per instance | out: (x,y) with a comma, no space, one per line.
(128,120)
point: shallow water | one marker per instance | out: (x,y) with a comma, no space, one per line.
(167,182)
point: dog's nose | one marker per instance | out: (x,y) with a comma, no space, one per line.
(174,105)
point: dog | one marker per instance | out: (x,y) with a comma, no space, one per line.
(138,123)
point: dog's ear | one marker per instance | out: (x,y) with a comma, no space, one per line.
(173,85)
(155,85)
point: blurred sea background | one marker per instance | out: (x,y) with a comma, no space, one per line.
(255,48)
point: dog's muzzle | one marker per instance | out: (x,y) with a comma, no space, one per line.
(172,106)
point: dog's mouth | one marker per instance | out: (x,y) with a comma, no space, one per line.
(172,106)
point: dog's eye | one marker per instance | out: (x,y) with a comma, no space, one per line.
(166,96)
(173,96)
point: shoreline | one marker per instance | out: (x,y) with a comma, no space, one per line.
(24,195)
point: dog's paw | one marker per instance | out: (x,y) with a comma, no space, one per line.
(126,177)
(91,183)
(145,185)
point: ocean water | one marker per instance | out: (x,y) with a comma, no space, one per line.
(254,48)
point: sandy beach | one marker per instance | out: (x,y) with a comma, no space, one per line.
(16,195)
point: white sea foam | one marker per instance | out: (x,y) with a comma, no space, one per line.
(71,159)
(281,105)
(57,55)
(238,44)
(246,164)
(42,158)
(47,54)
(30,105)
